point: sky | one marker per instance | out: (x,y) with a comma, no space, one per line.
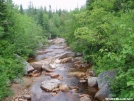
(59,4)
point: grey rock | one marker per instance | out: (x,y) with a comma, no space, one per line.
(37,66)
(47,67)
(65,55)
(104,92)
(92,81)
(106,77)
(27,67)
(49,85)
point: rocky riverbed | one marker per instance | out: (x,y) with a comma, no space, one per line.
(56,74)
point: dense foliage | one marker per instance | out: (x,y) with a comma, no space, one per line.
(19,34)
(104,32)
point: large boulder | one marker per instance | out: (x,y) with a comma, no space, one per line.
(106,77)
(37,66)
(104,92)
(92,81)
(27,67)
(47,67)
(49,85)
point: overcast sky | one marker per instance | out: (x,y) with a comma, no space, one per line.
(59,4)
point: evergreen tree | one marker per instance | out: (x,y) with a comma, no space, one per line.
(21,9)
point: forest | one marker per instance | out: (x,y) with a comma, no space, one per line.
(103,30)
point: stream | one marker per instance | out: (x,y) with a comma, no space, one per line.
(64,70)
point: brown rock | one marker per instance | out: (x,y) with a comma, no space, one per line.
(60,78)
(85,98)
(53,75)
(64,88)
(27,96)
(55,89)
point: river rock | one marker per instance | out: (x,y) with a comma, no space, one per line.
(49,85)
(37,66)
(27,96)
(47,67)
(64,88)
(78,59)
(53,75)
(105,78)
(65,55)
(27,67)
(104,92)
(85,98)
(92,81)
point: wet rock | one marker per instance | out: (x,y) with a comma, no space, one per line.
(65,60)
(49,85)
(27,96)
(65,55)
(55,89)
(105,78)
(37,66)
(47,67)
(92,81)
(28,69)
(78,59)
(53,75)
(64,88)
(85,98)
(35,74)
(78,74)
(36,71)
(103,93)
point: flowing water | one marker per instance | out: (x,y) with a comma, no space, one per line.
(63,70)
